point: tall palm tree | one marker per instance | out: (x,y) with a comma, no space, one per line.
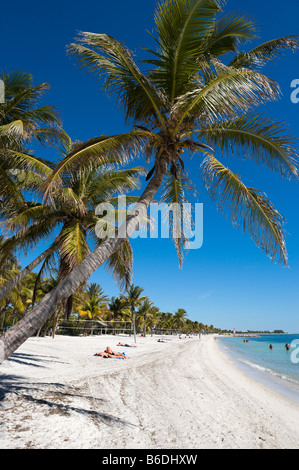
(119,310)
(189,99)
(95,304)
(180,315)
(23,124)
(95,301)
(166,321)
(153,318)
(144,311)
(71,211)
(117,307)
(133,300)
(149,314)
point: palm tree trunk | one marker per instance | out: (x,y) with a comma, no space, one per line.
(134,326)
(19,277)
(56,314)
(32,322)
(68,307)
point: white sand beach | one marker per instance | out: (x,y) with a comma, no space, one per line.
(179,394)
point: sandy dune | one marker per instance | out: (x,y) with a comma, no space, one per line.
(181,394)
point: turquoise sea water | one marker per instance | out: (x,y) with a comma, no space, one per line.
(277,368)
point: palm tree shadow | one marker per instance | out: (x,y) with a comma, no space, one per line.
(59,393)
(35,360)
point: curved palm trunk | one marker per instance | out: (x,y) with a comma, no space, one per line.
(19,277)
(27,326)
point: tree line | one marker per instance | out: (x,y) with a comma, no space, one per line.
(91,310)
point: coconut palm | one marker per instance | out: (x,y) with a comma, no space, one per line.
(71,210)
(133,300)
(153,318)
(166,321)
(21,120)
(144,311)
(117,307)
(179,316)
(95,303)
(149,314)
(189,99)
(23,124)
(119,310)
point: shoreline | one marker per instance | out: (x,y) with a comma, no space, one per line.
(183,394)
(280,383)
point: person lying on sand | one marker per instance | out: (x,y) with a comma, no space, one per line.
(102,354)
(114,356)
(127,345)
(161,341)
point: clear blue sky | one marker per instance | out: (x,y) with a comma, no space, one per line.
(228,282)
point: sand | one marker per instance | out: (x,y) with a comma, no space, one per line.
(181,394)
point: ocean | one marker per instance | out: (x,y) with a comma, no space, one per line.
(276,368)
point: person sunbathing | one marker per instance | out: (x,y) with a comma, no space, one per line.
(102,354)
(114,355)
(109,351)
(127,345)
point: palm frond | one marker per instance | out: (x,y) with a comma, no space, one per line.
(14,160)
(54,137)
(256,138)
(120,265)
(265,52)
(229,92)
(111,59)
(9,191)
(21,100)
(174,191)
(99,150)
(182,27)
(229,32)
(73,246)
(113,182)
(14,129)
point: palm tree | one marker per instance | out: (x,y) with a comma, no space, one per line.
(22,124)
(95,304)
(47,284)
(133,299)
(188,100)
(180,316)
(153,318)
(166,321)
(118,309)
(71,209)
(144,311)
